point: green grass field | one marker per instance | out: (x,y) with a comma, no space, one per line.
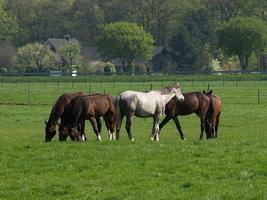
(233,166)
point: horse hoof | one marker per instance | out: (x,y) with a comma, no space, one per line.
(132,140)
(152,138)
(99,138)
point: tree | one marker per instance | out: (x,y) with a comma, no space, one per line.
(34,57)
(8,25)
(242,36)
(192,46)
(70,54)
(125,41)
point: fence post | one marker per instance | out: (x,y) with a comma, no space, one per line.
(2,83)
(151,86)
(208,87)
(72,84)
(192,82)
(85,83)
(45,83)
(90,88)
(57,83)
(29,92)
(16,83)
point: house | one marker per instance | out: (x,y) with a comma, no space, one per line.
(55,44)
(90,54)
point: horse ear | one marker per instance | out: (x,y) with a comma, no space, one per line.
(210,92)
(204,92)
(177,85)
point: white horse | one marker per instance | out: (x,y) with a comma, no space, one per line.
(144,104)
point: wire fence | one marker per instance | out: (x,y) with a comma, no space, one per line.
(45,93)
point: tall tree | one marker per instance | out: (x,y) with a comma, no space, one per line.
(8,25)
(124,41)
(242,36)
(86,16)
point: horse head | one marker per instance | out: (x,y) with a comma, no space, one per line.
(178,93)
(50,131)
(75,134)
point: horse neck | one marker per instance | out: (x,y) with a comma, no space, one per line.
(53,116)
(167,97)
(76,114)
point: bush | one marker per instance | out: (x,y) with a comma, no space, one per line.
(109,68)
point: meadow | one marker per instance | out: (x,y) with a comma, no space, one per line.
(233,166)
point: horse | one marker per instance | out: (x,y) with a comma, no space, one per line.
(92,107)
(144,104)
(213,116)
(56,112)
(194,102)
(65,118)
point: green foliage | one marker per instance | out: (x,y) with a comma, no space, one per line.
(191,47)
(109,68)
(124,41)
(242,36)
(8,25)
(34,58)
(70,54)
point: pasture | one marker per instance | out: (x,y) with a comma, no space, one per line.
(233,166)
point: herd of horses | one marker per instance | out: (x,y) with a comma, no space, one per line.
(73,109)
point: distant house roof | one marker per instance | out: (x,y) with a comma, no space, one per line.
(56,43)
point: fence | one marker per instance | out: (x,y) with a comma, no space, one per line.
(45,92)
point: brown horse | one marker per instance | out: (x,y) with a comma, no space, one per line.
(194,102)
(56,112)
(213,115)
(65,118)
(92,107)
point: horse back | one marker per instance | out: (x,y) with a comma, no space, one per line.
(99,105)
(194,102)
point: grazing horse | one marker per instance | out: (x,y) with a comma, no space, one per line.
(144,104)
(56,112)
(64,130)
(213,116)
(93,107)
(194,102)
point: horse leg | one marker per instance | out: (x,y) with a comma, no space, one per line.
(155,129)
(128,126)
(99,124)
(119,119)
(217,123)
(94,124)
(178,126)
(164,122)
(202,125)
(82,130)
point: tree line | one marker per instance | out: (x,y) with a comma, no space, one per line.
(195,34)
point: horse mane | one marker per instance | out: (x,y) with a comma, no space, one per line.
(168,89)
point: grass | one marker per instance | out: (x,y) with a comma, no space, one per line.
(233,166)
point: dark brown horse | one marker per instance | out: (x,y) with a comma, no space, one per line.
(56,112)
(66,117)
(92,107)
(213,115)
(194,102)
